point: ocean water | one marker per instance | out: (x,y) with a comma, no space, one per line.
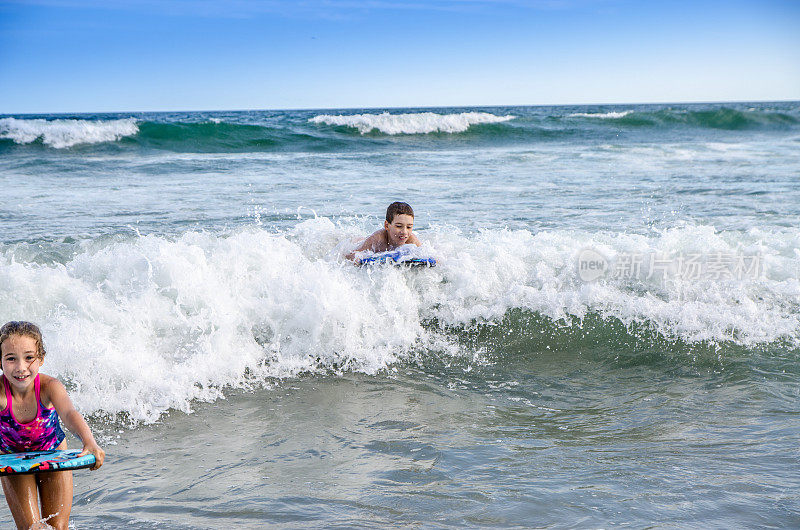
(610,338)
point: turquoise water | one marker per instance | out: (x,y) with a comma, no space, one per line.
(186,270)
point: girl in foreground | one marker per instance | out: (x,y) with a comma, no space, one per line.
(31,405)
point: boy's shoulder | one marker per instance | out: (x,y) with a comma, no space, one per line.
(378,241)
(380,232)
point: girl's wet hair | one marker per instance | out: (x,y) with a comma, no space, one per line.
(26,329)
(398,208)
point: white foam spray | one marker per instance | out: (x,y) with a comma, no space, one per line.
(143,324)
(415,123)
(601,115)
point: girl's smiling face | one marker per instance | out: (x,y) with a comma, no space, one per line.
(20,360)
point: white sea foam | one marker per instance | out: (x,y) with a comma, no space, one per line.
(416,123)
(601,115)
(66,133)
(146,324)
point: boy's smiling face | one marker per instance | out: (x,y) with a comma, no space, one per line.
(399,230)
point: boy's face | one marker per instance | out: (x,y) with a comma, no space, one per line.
(399,230)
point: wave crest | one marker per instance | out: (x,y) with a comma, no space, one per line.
(601,115)
(415,123)
(61,134)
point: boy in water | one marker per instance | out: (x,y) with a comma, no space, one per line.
(396,231)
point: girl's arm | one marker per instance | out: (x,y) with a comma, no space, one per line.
(73,420)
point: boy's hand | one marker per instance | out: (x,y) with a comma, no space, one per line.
(99,454)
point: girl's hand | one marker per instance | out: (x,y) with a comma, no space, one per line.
(99,454)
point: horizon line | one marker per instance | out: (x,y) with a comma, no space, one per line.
(290,109)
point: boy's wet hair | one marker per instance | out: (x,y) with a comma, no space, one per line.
(398,208)
(26,329)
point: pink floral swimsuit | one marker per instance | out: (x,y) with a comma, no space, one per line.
(40,434)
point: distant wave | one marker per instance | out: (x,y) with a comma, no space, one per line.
(416,123)
(723,118)
(61,134)
(300,131)
(601,115)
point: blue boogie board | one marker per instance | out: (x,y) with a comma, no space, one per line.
(42,461)
(405,255)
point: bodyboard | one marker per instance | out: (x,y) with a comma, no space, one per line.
(43,461)
(402,256)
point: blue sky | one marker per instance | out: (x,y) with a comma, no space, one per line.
(142,55)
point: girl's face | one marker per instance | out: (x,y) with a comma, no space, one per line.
(20,360)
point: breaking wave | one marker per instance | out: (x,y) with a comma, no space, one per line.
(416,123)
(61,134)
(601,115)
(141,324)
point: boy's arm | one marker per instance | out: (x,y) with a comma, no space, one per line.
(72,419)
(414,240)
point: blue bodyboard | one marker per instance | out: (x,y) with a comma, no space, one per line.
(402,256)
(43,461)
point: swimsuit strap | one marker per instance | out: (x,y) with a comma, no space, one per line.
(38,399)
(9,397)
(8,393)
